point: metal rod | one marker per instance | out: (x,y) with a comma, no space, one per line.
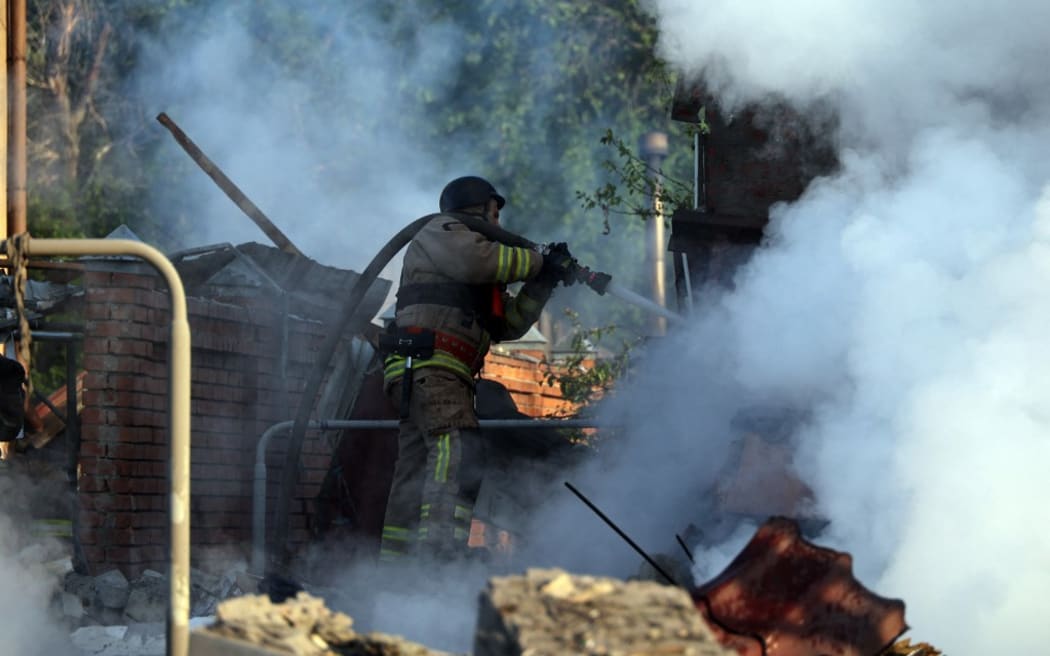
(681,543)
(53,335)
(72,419)
(178,416)
(51,406)
(623,535)
(228,187)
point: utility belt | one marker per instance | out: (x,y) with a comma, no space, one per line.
(414,343)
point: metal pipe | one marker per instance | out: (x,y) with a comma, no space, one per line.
(653,149)
(54,335)
(696,169)
(258,561)
(4,117)
(178,416)
(72,414)
(17,140)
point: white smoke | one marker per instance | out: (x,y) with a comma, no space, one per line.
(28,622)
(902,300)
(319,145)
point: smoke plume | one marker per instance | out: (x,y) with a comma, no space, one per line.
(313,138)
(28,622)
(901,302)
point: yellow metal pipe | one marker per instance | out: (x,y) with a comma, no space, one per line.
(4,17)
(178,415)
(17,174)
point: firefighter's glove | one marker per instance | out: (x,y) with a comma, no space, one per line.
(558,265)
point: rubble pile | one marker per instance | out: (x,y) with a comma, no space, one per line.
(301,625)
(108,615)
(110,598)
(553,612)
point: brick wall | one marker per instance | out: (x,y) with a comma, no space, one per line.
(237,392)
(524,378)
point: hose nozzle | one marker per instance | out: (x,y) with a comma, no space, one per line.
(596,280)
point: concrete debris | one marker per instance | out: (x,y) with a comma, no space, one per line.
(907,648)
(148,600)
(301,626)
(134,640)
(208,590)
(553,612)
(111,616)
(112,589)
(72,607)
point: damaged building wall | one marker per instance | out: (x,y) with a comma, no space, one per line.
(237,392)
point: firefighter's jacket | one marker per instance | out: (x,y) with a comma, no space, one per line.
(453,281)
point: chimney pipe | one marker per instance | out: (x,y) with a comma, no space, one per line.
(653,150)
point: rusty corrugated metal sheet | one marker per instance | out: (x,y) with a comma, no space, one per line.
(784,596)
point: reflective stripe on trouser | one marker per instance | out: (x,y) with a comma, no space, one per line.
(397,543)
(450,489)
(438,471)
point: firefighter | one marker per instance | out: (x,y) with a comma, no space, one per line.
(451,305)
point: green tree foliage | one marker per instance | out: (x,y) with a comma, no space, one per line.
(590,368)
(88,160)
(539,85)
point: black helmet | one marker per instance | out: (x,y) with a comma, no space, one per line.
(469,191)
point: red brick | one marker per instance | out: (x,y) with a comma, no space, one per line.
(142,468)
(133,280)
(91,448)
(151,519)
(92,484)
(96,311)
(98,467)
(94,554)
(127,346)
(153,502)
(123,485)
(90,519)
(218,488)
(138,452)
(240,504)
(155,553)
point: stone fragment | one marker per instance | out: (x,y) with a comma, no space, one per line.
(303,626)
(148,600)
(112,589)
(553,612)
(96,639)
(72,607)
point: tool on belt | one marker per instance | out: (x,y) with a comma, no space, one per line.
(410,343)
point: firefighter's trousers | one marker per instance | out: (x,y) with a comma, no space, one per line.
(438,472)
